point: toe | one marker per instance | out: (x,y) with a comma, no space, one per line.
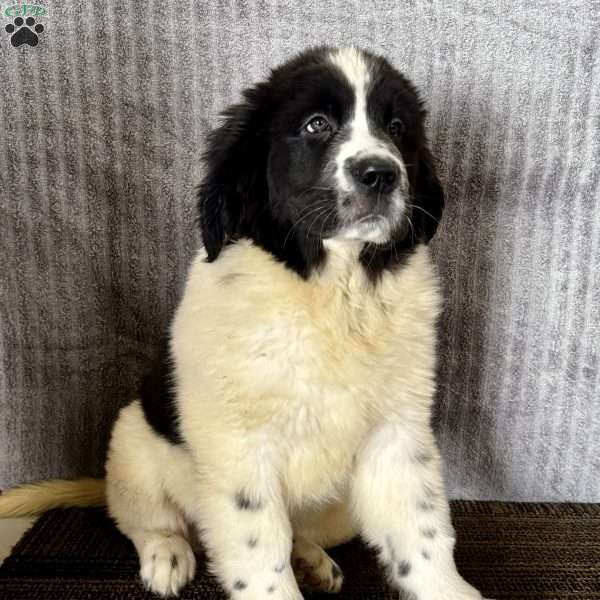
(337,578)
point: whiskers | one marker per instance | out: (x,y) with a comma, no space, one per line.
(424,211)
(322,209)
(332,211)
(412,229)
(410,223)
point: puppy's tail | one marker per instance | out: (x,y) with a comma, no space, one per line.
(36,498)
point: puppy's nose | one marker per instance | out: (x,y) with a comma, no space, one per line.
(375,174)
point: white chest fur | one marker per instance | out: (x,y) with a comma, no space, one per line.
(311,366)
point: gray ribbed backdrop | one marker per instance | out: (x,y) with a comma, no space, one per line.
(101,127)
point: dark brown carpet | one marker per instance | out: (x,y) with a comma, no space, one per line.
(509,551)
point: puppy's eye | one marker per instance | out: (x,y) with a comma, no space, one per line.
(396,128)
(317,124)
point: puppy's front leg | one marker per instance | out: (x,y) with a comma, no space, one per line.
(246,529)
(400,506)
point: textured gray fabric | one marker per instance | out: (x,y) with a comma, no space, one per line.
(102,124)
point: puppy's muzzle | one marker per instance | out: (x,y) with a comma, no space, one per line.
(376,189)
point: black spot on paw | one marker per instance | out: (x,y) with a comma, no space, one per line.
(429,533)
(403,568)
(153,557)
(336,572)
(22,34)
(252,542)
(239,584)
(270,589)
(425,506)
(425,555)
(174,561)
(280,568)
(243,502)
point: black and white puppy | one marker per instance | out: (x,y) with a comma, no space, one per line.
(302,352)
(294,410)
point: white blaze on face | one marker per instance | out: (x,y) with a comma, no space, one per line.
(361,142)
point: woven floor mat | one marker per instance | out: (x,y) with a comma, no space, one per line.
(509,551)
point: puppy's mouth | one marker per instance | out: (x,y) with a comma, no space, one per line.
(369,219)
(355,217)
(371,227)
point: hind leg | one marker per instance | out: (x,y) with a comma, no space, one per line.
(138,465)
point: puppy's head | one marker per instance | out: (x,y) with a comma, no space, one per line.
(331,146)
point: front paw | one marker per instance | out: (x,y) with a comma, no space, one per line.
(167,565)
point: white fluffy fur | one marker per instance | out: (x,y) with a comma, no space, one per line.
(308,397)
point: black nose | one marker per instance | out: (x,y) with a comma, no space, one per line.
(375,174)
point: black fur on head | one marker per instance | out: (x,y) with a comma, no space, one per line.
(324,149)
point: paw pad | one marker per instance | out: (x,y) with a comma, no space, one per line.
(24,32)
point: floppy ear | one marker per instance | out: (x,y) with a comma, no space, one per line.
(429,198)
(235,160)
